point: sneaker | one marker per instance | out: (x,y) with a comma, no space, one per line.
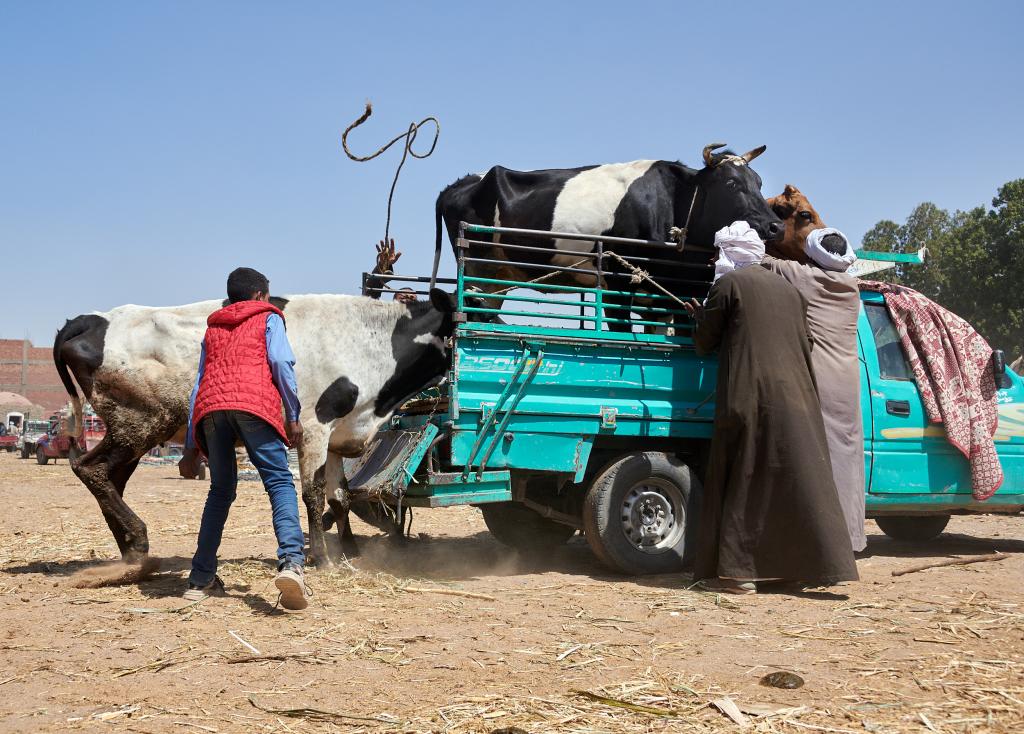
(195,592)
(290,582)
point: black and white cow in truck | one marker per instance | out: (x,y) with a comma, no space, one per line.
(647,200)
(357,359)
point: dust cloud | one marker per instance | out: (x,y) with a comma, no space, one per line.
(428,556)
(118,573)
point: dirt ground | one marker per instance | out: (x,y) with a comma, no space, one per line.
(455,633)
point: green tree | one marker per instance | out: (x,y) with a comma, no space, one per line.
(1005,235)
(927,226)
(975,263)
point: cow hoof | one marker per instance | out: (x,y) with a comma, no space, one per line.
(321,562)
(134,556)
(327,521)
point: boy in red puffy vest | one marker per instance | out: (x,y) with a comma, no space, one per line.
(246,372)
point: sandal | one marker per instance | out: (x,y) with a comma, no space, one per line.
(728,586)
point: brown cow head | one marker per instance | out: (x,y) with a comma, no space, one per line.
(800,218)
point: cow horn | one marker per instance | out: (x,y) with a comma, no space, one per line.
(707,153)
(752,154)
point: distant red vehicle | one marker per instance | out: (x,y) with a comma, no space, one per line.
(57,444)
(94,432)
(9,431)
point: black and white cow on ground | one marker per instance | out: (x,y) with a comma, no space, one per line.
(357,359)
(641,200)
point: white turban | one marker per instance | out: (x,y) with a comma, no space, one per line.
(825,259)
(738,246)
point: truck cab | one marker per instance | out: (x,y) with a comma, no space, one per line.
(915,477)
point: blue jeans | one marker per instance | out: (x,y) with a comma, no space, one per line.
(269,455)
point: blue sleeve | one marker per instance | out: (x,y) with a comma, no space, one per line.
(282,366)
(189,441)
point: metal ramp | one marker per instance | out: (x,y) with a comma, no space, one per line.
(389,470)
(388,464)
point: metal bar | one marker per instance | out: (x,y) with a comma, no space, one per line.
(655,309)
(460,275)
(661,261)
(409,278)
(565,269)
(562,288)
(599,296)
(553,514)
(412,461)
(484,229)
(493,416)
(504,332)
(663,279)
(640,322)
(397,290)
(533,286)
(500,430)
(617,274)
(686,418)
(534,314)
(532,266)
(527,299)
(549,251)
(915,258)
(529,248)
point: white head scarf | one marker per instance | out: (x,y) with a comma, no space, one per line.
(738,246)
(825,259)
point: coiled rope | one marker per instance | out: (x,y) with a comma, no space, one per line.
(409,136)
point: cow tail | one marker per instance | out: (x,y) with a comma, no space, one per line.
(70,330)
(437,241)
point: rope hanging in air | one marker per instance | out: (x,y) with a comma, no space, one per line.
(409,136)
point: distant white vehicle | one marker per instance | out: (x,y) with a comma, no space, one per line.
(14,422)
(30,435)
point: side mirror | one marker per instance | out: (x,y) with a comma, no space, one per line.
(999,370)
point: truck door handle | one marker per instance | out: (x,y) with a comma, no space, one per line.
(897,407)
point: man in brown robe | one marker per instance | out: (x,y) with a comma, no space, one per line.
(833,306)
(770,508)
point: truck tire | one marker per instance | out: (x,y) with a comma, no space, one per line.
(519,527)
(640,514)
(25,451)
(916,528)
(41,457)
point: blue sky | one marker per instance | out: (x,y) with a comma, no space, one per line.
(146,149)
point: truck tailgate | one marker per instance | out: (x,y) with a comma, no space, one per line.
(387,466)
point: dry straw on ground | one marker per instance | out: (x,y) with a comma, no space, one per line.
(454,634)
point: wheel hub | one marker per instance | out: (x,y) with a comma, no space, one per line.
(652,516)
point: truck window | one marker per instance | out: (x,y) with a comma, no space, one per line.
(892,364)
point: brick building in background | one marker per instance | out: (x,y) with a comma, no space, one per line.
(29,371)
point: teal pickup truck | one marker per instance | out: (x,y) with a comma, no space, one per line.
(558,423)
